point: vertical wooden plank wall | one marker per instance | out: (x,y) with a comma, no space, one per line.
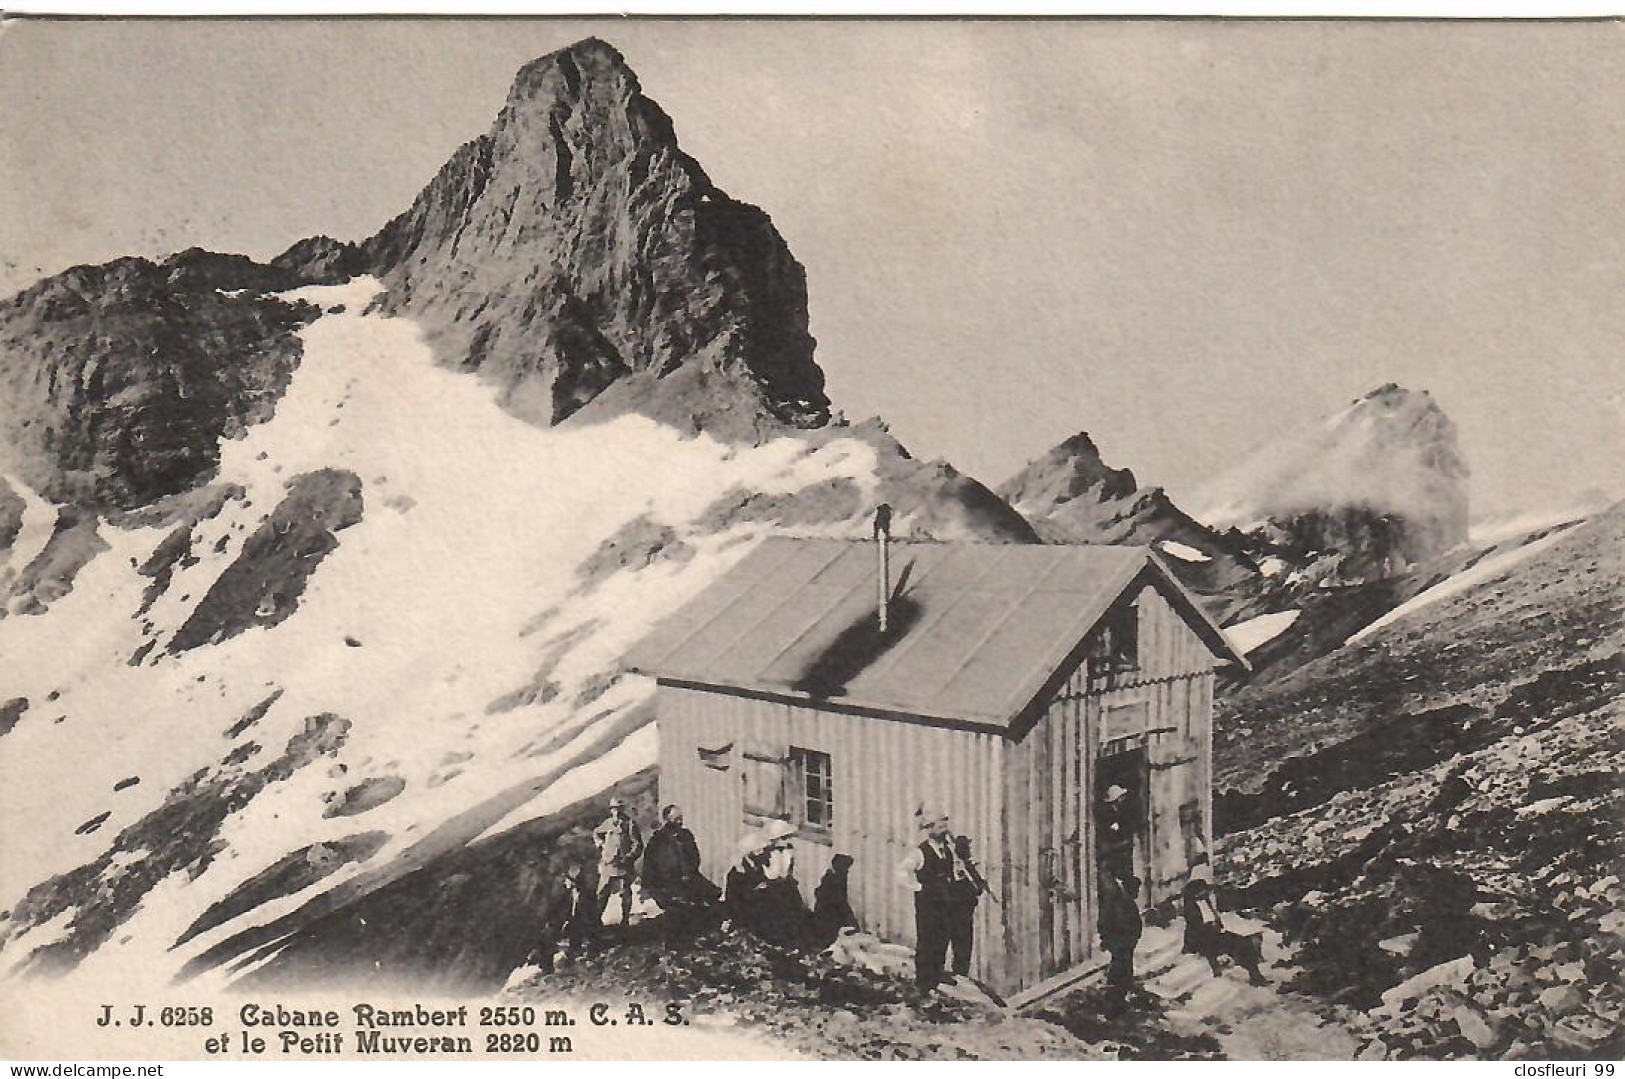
(1049,839)
(1049,781)
(1026,805)
(883,770)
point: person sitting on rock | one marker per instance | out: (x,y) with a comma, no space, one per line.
(745,878)
(761,894)
(832,908)
(567,920)
(671,866)
(1205,934)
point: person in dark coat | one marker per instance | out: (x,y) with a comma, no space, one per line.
(761,894)
(1120,928)
(934,872)
(1114,831)
(966,891)
(671,865)
(1205,934)
(832,907)
(567,919)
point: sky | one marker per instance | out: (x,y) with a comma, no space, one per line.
(1179,236)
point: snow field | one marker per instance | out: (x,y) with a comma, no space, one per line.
(459,585)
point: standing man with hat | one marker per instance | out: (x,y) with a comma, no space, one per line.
(1120,929)
(937,876)
(620,845)
(1114,831)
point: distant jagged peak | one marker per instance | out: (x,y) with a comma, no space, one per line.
(1392,450)
(1387,465)
(1073,469)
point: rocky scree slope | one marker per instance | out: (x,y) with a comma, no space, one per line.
(1433,812)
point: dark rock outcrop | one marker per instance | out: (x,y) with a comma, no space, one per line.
(369,794)
(1070,495)
(263,584)
(291,873)
(11,514)
(118,382)
(10,712)
(321,260)
(75,540)
(180,835)
(575,247)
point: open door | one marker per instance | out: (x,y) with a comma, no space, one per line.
(1123,824)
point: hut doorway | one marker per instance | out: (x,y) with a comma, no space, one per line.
(1123,825)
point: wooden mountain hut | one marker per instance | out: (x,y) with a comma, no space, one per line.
(1010,687)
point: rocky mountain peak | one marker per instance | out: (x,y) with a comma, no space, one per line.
(1071,495)
(1381,480)
(574,73)
(574,247)
(1073,469)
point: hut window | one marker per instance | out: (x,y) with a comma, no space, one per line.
(763,776)
(815,775)
(1115,648)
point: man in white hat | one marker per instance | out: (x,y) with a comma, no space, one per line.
(937,875)
(1114,830)
(620,845)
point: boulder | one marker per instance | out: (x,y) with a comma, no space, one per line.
(1453,974)
(1474,1026)
(1561,999)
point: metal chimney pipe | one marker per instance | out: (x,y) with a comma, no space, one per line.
(883,580)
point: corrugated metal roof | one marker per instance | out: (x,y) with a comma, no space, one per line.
(977,629)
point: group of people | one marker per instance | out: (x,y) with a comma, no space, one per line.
(760,894)
(1205,934)
(670,875)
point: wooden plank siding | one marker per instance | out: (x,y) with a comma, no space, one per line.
(1025,802)
(882,771)
(1050,777)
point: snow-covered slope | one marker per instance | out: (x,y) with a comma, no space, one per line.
(1254,633)
(450,664)
(1491,563)
(1374,488)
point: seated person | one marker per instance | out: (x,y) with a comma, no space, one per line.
(762,895)
(671,866)
(1205,934)
(832,909)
